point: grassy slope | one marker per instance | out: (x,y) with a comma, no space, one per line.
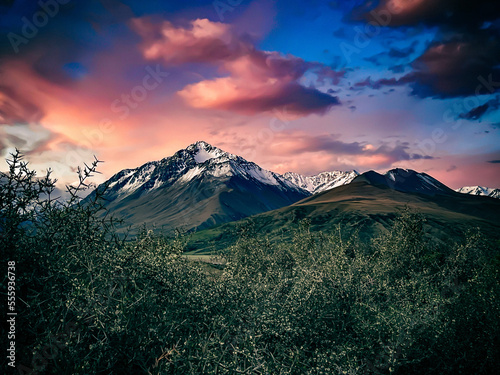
(364,207)
(89,304)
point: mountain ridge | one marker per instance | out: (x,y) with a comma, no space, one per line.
(322,181)
(406,180)
(203,186)
(367,207)
(195,188)
(479,190)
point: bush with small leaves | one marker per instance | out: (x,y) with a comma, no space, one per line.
(320,304)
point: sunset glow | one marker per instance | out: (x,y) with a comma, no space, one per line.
(291,85)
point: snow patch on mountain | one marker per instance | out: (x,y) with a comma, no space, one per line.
(202,151)
(322,181)
(126,174)
(263,176)
(429,180)
(480,190)
(203,155)
(192,173)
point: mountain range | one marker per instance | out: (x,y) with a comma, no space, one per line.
(480,190)
(367,207)
(322,181)
(196,188)
(203,186)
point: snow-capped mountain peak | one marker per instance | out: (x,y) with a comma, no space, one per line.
(202,160)
(198,186)
(202,185)
(197,161)
(479,190)
(322,181)
(201,151)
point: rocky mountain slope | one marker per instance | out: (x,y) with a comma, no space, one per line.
(196,188)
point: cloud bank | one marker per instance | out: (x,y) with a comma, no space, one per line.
(256,81)
(464,59)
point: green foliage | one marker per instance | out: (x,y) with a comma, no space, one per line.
(319,304)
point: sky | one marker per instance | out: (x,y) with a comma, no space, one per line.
(301,86)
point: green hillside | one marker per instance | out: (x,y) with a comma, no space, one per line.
(316,303)
(366,209)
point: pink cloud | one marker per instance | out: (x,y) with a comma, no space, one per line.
(362,154)
(260,82)
(300,151)
(15,108)
(204,41)
(257,81)
(403,12)
(20,93)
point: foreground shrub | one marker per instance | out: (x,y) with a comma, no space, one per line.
(92,303)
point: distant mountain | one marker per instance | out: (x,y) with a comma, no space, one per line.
(203,186)
(407,181)
(370,204)
(480,190)
(321,182)
(196,188)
